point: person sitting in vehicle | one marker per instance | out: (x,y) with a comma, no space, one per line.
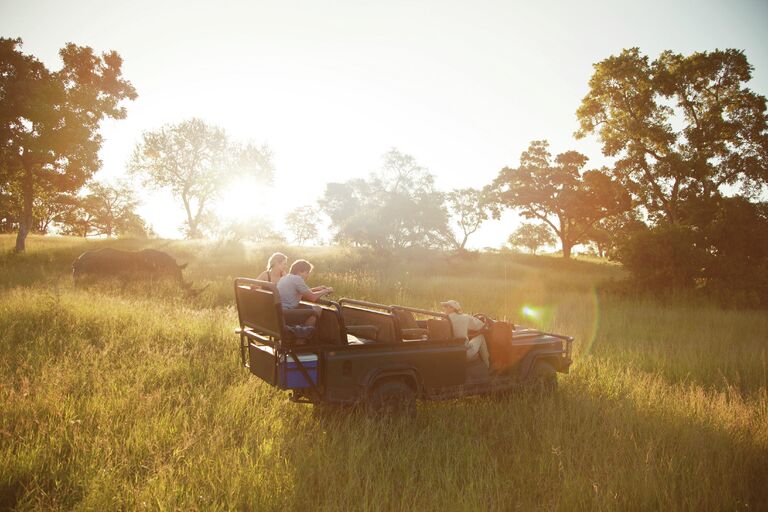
(462,323)
(277,267)
(293,289)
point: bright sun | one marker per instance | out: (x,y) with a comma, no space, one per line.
(246,198)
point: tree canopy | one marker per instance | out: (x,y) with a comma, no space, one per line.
(531,236)
(559,192)
(302,222)
(195,161)
(469,209)
(108,210)
(49,121)
(681,127)
(396,207)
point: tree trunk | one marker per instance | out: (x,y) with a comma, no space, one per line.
(567,246)
(25,222)
(191,220)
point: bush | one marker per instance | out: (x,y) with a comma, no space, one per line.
(664,257)
(723,254)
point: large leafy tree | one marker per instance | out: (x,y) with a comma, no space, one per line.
(196,160)
(394,208)
(559,192)
(49,120)
(681,127)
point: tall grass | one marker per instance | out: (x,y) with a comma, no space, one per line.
(132,397)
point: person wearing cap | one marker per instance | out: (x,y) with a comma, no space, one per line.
(462,323)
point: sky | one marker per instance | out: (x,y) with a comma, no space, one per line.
(330,86)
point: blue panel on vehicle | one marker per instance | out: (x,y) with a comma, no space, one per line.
(291,376)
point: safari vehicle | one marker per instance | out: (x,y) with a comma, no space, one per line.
(385,357)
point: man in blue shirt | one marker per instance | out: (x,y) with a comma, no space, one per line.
(293,289)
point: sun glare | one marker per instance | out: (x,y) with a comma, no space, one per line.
(247,198)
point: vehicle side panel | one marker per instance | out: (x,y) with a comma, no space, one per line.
(350,373)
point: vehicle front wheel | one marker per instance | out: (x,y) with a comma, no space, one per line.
(392,398)
(543,378)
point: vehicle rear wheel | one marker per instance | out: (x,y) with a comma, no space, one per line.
(392,398)
(543,378)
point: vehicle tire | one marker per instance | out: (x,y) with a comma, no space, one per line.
(543,378)
(392,398)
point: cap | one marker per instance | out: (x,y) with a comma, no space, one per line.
(452,304)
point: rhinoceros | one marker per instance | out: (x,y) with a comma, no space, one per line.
(147,264)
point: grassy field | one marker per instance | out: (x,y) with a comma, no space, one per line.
(134,398)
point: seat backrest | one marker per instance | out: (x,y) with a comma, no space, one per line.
(439,329)
(406,319)
(258,306)
(383,321)
(330,327)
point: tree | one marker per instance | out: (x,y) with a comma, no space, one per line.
(108,210)
(559,193)
(663,257)
(682,127)
(609,233)
(196,161)
(49,120)
(113,209)
(469,209)
(394,208)
(531,236)
(303,223)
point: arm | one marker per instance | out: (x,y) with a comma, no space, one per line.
(475,324)
(312,296)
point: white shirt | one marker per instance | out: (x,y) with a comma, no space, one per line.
(462,323)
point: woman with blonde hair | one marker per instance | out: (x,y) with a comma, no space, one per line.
(277,267)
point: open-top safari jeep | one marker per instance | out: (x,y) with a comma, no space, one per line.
(385,356)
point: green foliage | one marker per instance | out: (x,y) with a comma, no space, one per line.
(195,161)
(681,127)
(531,236)
(395,208)
(610,233)
(723,253)
(134,398)
(665,257)
(559,193)
(108,210)
(49,121)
